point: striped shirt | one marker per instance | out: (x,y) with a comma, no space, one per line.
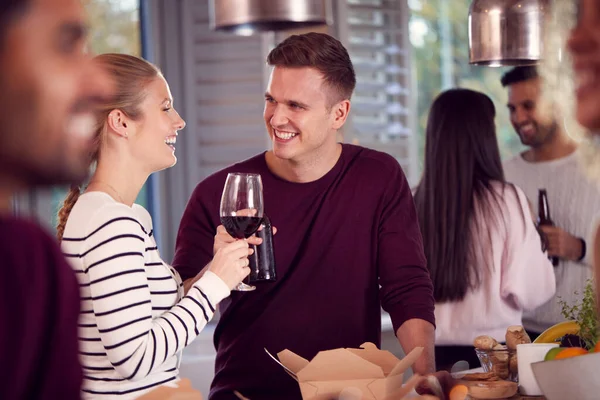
(134,319)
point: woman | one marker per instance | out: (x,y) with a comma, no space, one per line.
(483,251)
(135,317)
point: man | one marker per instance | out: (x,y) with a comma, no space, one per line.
(551,163)
(346,226)
(48,85)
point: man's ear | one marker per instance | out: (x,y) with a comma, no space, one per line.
(340,113)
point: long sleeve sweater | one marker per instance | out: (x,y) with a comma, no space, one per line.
(516,275)
(134,320)
(574,201)
(347,244)
(39,307)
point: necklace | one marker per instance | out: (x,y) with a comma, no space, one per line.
(115,192)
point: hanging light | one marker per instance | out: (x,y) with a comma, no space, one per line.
(245,17)
(506,32)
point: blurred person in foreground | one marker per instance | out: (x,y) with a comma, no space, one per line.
(584,45)
(49,86)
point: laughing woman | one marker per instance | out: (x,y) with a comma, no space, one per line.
(135,317)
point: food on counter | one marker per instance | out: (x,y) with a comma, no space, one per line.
(516,335)
(513,364)
(570,352)
(458,392)
(557,332)
(493,390)
(552,353)
(480,376)
(499,358)
(485,342)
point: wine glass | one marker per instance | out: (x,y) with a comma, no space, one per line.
(242,208)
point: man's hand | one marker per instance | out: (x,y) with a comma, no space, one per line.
(562,244)
(446,384)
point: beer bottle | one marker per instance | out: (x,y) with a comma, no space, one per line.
(544,218)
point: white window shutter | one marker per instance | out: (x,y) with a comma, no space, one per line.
(226,100)
(375,32)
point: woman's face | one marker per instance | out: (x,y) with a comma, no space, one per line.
(584,45)
(156,132)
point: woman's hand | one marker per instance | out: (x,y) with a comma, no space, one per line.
(230,262)
(222,238)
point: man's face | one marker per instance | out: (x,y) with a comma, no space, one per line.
(523,102)
(298,115)
(49,86)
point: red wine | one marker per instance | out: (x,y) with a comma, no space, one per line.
(241,227)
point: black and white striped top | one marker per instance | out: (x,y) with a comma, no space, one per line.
(134,318)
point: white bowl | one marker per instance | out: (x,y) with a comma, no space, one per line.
(571,378)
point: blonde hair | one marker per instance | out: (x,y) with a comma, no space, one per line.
(130,75)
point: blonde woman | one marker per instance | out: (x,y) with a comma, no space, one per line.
(135,317)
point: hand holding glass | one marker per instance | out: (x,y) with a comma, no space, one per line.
(242,208)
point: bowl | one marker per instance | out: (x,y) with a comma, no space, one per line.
(503,362)
(569,378)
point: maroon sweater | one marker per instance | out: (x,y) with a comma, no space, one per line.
(39,308)
(339,238)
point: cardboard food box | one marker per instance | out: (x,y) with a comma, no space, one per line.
(366,373)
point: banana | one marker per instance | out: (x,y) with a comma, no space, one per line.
(554,333)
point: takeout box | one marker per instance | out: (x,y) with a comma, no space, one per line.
(377,374)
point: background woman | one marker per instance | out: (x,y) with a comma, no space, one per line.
(483,251)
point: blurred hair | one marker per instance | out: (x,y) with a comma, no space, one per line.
(9,11)
(519,74)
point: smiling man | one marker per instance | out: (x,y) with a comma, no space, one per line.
(551,163)
(348,240)
(46,125)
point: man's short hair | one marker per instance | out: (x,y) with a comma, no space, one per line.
(321,52)
(519,74)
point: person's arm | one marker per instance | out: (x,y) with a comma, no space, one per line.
(523,262)
(406,287)
(134,341)
(419,333)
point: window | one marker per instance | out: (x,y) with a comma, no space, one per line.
(382,118)
(438,31)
